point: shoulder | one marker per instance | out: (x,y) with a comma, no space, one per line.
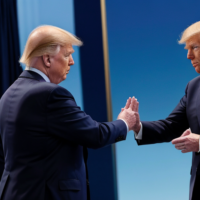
(194,81)
(57,92)
(192,86)
(50,90)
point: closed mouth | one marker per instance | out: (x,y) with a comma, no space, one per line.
(194,64)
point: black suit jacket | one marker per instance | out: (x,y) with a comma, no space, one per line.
(43,132)
(185,115)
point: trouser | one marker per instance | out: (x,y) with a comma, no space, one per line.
(196,190)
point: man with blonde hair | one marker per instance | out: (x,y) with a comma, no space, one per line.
(186,115)
(44,132)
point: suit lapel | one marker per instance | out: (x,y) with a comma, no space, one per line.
(31,75)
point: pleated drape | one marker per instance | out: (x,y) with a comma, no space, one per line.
(9,44)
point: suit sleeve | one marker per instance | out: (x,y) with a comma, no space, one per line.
(166,130)
(66,121)
(2,159)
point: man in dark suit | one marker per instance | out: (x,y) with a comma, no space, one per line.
(185,115)
(43,131)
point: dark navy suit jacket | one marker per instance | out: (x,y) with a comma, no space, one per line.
(185,115)
(43,132)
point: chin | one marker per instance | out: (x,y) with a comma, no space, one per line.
(197,70)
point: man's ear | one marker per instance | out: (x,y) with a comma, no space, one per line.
(47,60)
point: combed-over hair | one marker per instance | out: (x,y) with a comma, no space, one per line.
(46,40)
(192,30)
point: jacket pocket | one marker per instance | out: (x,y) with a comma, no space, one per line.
(70,184)
(3,182)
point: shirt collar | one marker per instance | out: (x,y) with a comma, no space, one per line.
(44,76)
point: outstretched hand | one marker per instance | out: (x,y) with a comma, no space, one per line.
(187,142)
(130,114)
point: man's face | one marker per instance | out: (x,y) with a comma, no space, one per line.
(193,47)
(60,64)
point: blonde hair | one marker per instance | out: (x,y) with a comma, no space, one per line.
(189,32)
(46,40)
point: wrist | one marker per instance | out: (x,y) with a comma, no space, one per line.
(137,128)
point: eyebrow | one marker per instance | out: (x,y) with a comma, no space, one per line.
(69,52)
(190,45)
(72,51)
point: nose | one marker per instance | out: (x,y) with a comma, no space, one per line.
(190,54)
(71,60)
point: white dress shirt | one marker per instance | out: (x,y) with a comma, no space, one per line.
(44,76)
(138,135)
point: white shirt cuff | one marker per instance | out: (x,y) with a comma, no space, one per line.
(138,135)
(126,125)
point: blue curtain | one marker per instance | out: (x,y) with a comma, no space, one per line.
(9,44)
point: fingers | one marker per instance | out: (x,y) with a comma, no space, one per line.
(187,142)
(187,132)
(185,151)
(134,104)
(128,102)
(182,138)
(180,146)
(178,140)
(137,106)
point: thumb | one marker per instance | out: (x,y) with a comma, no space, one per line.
(187,132)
